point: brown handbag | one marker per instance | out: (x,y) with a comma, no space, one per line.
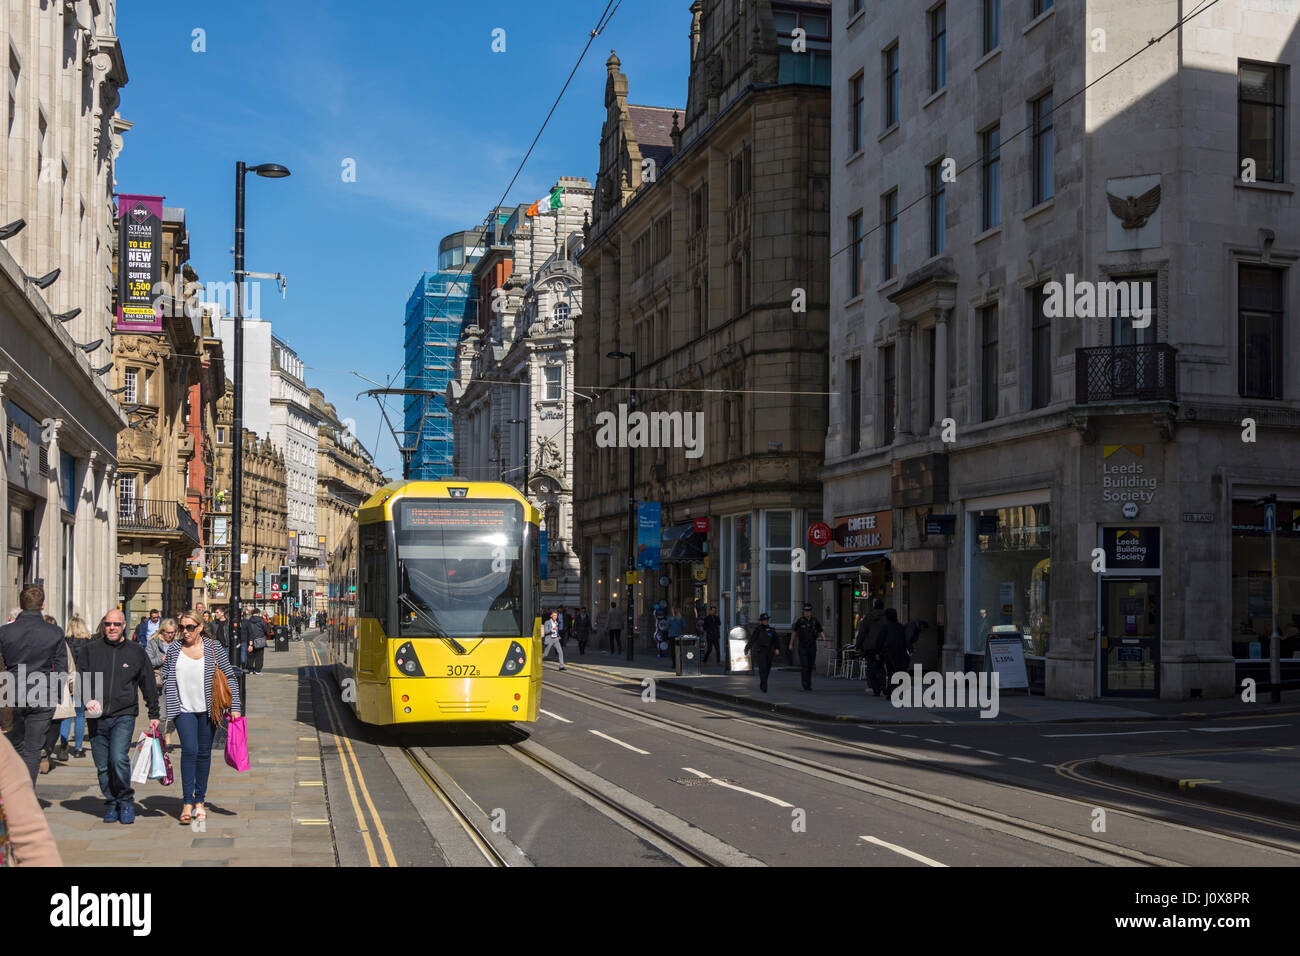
(221,699)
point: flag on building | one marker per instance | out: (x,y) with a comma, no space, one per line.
(553,201)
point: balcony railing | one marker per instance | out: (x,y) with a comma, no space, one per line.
(1126,373)
(149,514)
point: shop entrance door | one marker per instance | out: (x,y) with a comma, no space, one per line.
(1130,638)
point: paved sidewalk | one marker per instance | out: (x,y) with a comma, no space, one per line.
(273,815)
(1259,780)
(840,699)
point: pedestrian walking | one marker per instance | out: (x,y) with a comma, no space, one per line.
(582,629)
(763,647)
(38,648)
(561,628)
(63,711)
(712,631)
(189,676)
(254,637)
(78,636)
(147,627)
(864,641)
(891,645)
(168,631)
(912,631)
(551,638)
(119,671)
(25,838)
(807,631)
(674,627)
(614,628)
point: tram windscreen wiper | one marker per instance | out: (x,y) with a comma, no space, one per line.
(432,623)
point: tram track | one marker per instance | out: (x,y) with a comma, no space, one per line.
(1078,844)
(454,799)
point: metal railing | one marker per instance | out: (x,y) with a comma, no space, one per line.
(150,514)
(1117,373)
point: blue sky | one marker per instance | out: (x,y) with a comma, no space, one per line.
(435,121)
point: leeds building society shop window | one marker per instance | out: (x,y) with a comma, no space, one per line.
(1252,586)
(1010,574)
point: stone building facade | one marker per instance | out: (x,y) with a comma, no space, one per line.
(1001,418)
(345,477)
(706,257)
(157,532)
(512,397)
(265,514)
(58,145)
(293,431)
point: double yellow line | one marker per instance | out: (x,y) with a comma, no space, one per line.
(344,746)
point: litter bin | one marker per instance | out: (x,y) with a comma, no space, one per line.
(688,656)
(281,638)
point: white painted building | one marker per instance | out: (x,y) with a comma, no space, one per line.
(511,397)
(1034,440)
(294,433)
(61,134)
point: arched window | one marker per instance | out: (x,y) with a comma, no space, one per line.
(562,312)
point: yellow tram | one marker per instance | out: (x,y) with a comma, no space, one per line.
(434,605)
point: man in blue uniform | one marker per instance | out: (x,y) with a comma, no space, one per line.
(807,631)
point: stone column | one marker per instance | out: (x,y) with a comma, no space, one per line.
(4,497)
(940,383)
(113,584)
(903,379)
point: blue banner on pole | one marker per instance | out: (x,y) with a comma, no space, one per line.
(649,535)
(541,545)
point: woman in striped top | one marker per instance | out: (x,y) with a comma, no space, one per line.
(187,686)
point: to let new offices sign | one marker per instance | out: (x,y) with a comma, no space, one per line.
(139,262)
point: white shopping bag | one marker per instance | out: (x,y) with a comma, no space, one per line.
(141,760)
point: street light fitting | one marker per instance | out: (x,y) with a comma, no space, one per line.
(616,355)
(11,229)
(1267,500)
(270,170)
(68,316)
(91,346)
(45,281)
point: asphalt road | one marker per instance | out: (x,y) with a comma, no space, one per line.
(741,788)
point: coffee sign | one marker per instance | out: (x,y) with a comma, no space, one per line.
(869,531)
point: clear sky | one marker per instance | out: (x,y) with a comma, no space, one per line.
(412,91)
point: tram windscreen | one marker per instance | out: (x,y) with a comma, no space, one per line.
(460,566)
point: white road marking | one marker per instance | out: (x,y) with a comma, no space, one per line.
(903,851)
(1119,733)
(1228,730)
(931,740)
(991,753)
(732,786)
(1023,759)
(884,731)
(913,736)
(1050,766)
(615,740)
(556,716)
(963,747)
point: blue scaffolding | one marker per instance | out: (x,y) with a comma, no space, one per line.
(435,314)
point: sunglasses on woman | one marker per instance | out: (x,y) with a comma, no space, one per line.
(189,627)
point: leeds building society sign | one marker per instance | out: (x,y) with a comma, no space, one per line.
(1124,477)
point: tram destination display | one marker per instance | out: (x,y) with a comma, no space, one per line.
(459,517)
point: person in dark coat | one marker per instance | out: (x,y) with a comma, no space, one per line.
(864,642)
(38,648)
(763,646)
(712,632)
(582,628)
(891,645)
(806,631)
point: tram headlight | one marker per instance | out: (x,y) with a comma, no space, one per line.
(515,660)
(408,665)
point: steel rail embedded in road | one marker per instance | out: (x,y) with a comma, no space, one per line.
(465,818)
(1067,771)
(1075,844)
(620,811)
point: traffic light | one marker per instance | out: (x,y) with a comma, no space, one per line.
(284,579)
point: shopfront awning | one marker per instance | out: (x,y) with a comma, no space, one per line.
(683,543)
(847,563)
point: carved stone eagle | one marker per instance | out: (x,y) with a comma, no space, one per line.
(1134,212)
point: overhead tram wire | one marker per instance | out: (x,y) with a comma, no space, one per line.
(601,24)
(1002,145)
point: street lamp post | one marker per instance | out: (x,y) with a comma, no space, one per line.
(269,171)
(631,514)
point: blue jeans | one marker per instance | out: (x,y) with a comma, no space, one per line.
(196,754)
(65,728)
(110,745)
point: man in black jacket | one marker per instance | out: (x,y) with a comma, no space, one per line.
(112,672)
(712,634)
(38,648)
(764,644)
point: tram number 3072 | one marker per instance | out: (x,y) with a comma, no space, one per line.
(462,670)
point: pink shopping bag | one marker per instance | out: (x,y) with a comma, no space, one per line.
(237,744)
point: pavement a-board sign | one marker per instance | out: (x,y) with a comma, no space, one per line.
(1004,655)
